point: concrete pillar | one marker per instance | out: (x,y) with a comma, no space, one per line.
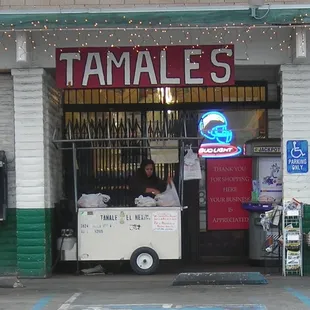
(35,157)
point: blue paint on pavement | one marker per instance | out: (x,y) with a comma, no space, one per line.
(179,307)
(40,305)
(303,298)
(228,307)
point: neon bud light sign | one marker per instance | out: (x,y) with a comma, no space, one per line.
(213,126)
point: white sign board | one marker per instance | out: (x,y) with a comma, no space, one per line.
(115,233)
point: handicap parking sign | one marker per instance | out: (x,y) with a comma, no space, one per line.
(297,156)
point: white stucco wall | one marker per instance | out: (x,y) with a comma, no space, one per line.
(52,156)
(29,137)
(295,125)
(37,161)
(7,131)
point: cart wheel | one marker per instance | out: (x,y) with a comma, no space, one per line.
(144,261)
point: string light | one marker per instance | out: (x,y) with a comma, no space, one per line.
(279,38)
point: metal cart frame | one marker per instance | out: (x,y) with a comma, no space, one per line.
(71,145)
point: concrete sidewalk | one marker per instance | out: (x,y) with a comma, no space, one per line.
(152,293)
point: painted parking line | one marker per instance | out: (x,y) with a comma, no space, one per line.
(303,298)
(167,306)
(69,302)
(41,303)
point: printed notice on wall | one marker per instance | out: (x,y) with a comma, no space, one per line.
(165,221)
(270,179)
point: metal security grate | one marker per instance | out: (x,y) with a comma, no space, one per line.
(107,166)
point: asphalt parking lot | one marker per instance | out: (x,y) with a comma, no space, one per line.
(131,292)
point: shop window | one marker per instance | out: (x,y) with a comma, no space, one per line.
(246,124)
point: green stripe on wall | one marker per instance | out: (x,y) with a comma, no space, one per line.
(8,244)
(34,254)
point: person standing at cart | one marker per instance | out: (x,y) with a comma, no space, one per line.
(145,182)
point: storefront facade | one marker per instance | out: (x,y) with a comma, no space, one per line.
(272,72)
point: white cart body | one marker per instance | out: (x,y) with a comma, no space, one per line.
(115,233)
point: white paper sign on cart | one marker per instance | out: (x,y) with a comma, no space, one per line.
(165,221)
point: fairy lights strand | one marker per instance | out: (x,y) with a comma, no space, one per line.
(148,33)
(164,37)
(37,26)
(242,37)
(164,27)
(299,20)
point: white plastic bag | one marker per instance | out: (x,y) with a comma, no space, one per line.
(192,169)
(169,198)
(145,202)
(93,201)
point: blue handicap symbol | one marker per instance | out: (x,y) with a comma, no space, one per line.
(297,160)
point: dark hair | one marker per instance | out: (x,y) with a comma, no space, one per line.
(145,163)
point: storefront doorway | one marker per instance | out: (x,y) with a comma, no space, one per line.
(160,112)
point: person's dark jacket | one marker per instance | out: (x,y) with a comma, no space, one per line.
(140,182)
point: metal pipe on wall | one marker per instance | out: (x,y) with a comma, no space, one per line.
(74,158)
(181,192)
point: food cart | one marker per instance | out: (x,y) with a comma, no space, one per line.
(141,235)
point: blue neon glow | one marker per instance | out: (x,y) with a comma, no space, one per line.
(217,133)
(213,126)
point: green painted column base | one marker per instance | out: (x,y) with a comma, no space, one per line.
(34,243)
(8,244)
